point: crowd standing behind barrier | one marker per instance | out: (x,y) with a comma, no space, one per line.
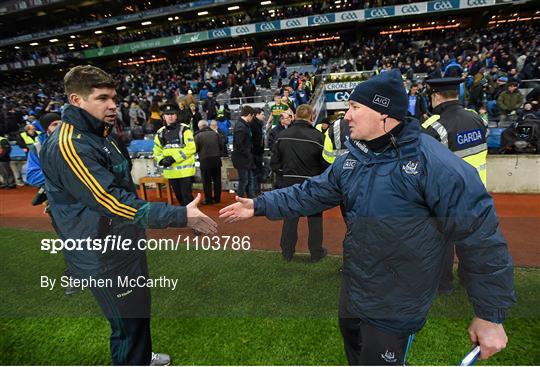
(497,67)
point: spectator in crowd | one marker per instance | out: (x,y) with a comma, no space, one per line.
(210,106)
(509,101)
(28,137)
(224,124)
(236,94)
(417,103)
(302,95)
(8,179)
(124,113)
(137,117)
(296,156)
(194,117)
(285,120)
(249,90)
(257,136)
(155,120)
(242,154)
(208,144)
(275,112)
(222,139)
(34,174)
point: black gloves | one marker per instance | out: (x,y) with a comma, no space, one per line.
(167,161)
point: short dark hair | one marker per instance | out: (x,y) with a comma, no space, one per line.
(83,78)
(247,110)
(257,110)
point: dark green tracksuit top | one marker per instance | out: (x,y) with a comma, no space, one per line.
(92,195)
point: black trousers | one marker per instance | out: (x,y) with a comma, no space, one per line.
(447,277)
(211,176)
(182,188)
(289,236)
(128,312)
(367,345)
(7,174)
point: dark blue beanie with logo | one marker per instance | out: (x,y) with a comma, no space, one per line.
(383,93)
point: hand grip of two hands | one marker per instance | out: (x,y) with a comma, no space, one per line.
(241,210)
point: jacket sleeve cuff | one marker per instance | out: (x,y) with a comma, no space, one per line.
(495,315)
(259,206)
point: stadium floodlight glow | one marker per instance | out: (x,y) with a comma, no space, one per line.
(236,7)
(72,48)
(121,28)
(176,17)
(16,47)
(34,44)
(170,19)
(70,45)
(99,31)
(266,2)
(72,36)
(201,13)
(148,22)
(53,40)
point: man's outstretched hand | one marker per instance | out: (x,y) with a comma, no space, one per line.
(490,336)
(198,220)
(241,210)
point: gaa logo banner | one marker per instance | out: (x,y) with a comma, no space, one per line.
(220,33)
(322,19)
(350,16)
(337,96)
(443,5)
(409,9)
(268,26)
(476,3)
(242,29)
(387,11)
(294,23)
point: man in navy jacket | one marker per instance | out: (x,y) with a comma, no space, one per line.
(407,198)
(92,195)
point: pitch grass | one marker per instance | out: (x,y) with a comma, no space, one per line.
(247,308)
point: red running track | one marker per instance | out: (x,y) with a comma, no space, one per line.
(519,216)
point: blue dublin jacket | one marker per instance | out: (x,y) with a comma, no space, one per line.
(403,208)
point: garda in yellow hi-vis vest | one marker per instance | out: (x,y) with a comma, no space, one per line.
(176,140)
(28,139)
(334,140)
(462,131)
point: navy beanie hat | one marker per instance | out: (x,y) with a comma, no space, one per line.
(383,93)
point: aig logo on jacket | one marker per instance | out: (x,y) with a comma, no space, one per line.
(350,164)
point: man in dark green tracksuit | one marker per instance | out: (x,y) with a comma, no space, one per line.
(92,195)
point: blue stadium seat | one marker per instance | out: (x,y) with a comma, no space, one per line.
(140,147)
(17,153)
(494,137)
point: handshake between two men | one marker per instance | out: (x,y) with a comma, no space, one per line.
(197,220)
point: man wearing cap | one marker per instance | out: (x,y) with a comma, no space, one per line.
(174,150)
(464,133)
(407,198)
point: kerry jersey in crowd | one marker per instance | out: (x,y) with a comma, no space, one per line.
(276,110)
